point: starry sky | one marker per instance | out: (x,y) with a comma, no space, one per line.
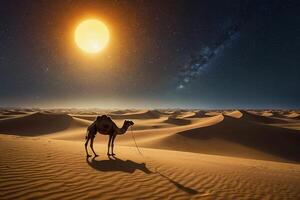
(162,54)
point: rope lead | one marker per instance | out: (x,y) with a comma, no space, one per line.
(135,142)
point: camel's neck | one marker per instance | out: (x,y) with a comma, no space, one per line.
(123,129)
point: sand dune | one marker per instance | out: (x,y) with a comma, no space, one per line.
(176,113)
(278,114)
(119,112)
(177,121)
(236,137)
(36,124)
(86,117)
(198,114)
(126,111)
(36,168)
(234,114)
(267,113)
(260,119)
(2,116)
(9,112)
(181,114)
(296,118)
(293,115)
(213,113)
(145,124)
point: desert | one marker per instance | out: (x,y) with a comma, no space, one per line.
(227,155)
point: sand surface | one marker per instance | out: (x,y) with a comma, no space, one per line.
(185,155)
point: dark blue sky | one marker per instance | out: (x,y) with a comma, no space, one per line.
(205,54)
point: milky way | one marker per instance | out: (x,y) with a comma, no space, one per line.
(229,32)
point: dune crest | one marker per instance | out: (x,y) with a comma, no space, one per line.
(234,114)
(260,119)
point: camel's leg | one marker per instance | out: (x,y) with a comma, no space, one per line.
(85,145)
(109,141)
(92,145)
(112,144)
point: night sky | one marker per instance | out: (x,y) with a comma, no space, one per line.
(162,54)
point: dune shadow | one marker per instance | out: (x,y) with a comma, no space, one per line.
(128,166)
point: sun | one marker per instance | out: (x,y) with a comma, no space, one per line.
(91,36)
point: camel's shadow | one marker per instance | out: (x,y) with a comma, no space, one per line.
(128,166)
(116,164)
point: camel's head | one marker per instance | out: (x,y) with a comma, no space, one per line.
(128,123)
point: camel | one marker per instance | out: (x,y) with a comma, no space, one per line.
(105,126)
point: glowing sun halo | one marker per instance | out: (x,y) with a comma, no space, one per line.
(91,35)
